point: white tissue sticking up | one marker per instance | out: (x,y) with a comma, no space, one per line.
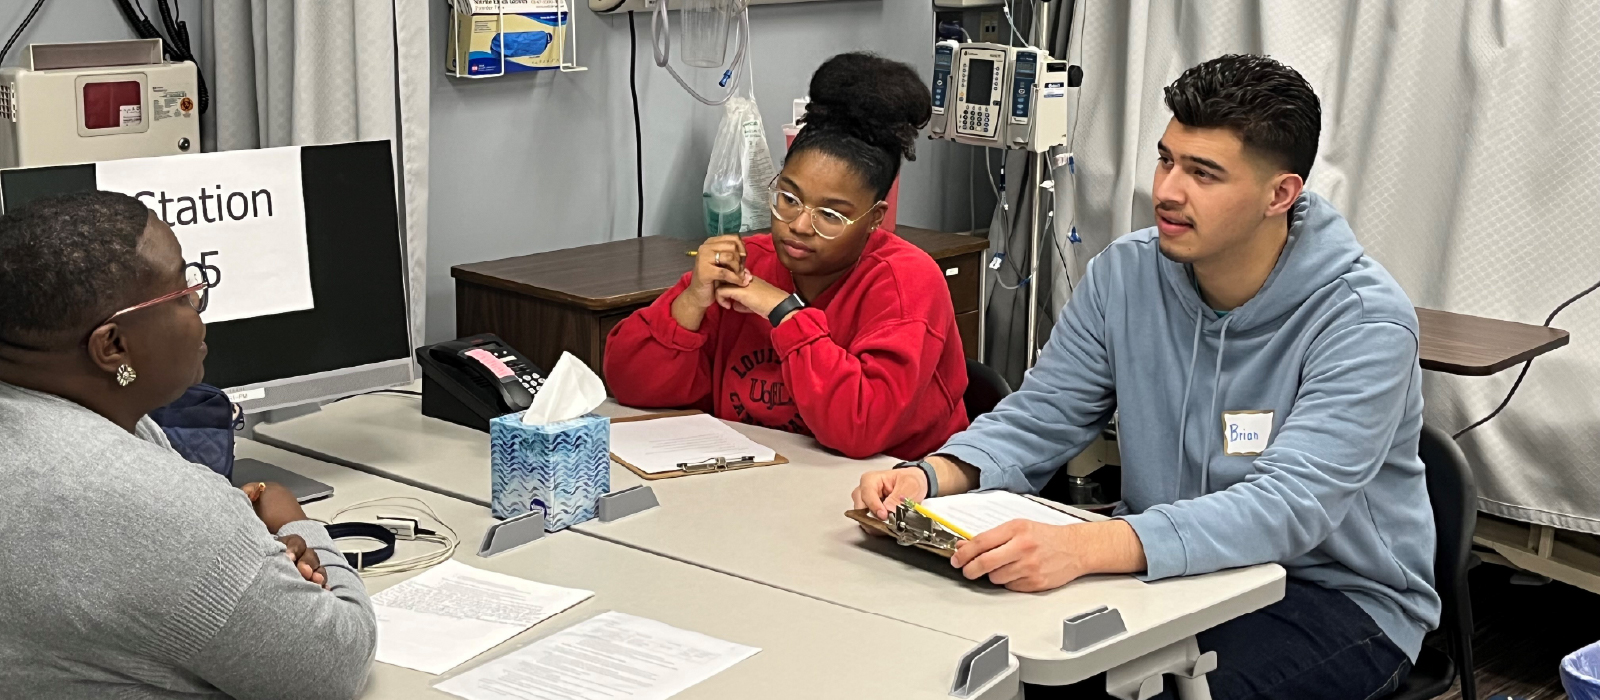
(571,390)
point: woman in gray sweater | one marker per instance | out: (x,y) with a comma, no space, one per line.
(126,571)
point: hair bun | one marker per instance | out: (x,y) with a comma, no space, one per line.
(879,101)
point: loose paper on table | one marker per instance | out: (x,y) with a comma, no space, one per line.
(982,510)
(453,612)
(612,656)
(660,444)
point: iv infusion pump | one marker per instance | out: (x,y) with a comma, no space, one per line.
(998,96)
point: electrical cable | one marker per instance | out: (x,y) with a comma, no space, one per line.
(1507,400)
(178,31)
(661,45)
(177,48)
(444,536)
(26,20)
(399,392)
(638,137)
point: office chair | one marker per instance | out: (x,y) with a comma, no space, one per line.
(985,388)
(1455,512)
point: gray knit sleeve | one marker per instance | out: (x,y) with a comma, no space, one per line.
(287,637)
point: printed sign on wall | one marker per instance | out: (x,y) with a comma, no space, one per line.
(241,218)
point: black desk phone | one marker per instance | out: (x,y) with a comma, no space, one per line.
(471,380)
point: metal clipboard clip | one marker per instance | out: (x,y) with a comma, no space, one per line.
(716,464)
(913,528)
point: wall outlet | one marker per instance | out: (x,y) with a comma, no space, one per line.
(989,27)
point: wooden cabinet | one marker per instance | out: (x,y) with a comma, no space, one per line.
(570,299)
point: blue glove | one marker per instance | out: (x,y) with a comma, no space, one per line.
(522,43)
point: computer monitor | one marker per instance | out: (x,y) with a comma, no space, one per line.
(357,336)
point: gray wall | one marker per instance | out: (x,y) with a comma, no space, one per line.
(530,163)
(82,20)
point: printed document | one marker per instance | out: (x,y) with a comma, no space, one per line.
(453,612)
(612,656)
(661,444)
(982,510)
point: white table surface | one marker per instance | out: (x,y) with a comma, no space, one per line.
(784,526)
(810,649)
(387,435)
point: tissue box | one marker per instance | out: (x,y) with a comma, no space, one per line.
(561,468)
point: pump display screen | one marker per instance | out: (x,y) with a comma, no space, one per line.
(980,81)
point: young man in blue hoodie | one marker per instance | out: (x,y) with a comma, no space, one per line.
(1265,374)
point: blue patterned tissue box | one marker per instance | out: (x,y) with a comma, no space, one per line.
(560,468)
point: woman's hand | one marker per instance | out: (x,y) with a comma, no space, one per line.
(274,504)
(719,262)
(757,297)
(305,560)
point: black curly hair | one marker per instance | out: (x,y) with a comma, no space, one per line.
(1271,108)
(66,263)
(865,110)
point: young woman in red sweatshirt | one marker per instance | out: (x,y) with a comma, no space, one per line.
(829,326)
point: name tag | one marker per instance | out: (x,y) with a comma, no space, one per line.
(1246,432)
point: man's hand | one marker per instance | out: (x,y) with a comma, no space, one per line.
(305,560)
(1026,556)
(274,504)
(881,491)
(757,296)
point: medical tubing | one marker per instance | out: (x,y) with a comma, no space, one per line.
(661,46)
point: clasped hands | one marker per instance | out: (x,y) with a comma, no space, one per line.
(721,278)
(1021,555)
(277,506)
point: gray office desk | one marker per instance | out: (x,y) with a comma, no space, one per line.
(784,526)
(810,649)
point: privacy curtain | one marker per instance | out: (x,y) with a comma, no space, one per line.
(306,72)
(1462,141)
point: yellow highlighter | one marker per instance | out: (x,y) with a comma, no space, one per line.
(947,524)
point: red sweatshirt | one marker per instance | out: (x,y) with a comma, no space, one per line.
(872,365)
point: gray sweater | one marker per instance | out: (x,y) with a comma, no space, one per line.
(128,572)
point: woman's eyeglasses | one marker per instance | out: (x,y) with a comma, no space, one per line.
(824,221)
(197,294)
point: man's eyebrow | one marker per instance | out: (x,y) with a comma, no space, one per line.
(1206,162)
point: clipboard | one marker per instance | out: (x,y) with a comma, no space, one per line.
(910,528)
(711,469)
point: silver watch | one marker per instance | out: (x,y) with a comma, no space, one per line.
(927,470)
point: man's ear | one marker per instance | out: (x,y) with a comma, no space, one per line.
(108,348)
(1286,188)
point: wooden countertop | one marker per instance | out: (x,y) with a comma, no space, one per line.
(1475,346)
(641,268)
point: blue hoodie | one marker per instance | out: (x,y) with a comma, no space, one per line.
(1329,346)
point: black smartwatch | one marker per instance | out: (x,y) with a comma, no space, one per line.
(927,469)
(791,303)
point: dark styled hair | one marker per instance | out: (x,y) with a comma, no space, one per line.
(865,110)
(1271,108)
(67,262)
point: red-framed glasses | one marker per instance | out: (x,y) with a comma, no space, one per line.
(197,294)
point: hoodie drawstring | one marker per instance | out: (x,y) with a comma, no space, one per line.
(1183,408)
(1216,392)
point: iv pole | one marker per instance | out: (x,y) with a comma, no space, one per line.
(1041,23)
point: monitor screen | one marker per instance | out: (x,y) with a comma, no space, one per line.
(357,275)
(980,81)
